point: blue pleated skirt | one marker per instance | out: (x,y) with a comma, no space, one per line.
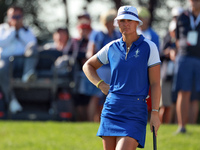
(124,116)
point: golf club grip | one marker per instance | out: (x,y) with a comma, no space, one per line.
(154,140)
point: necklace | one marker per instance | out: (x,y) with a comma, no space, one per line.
(128,47)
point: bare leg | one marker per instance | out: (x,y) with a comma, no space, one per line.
(93,108)
(109,142)
(168,115)
(174,115)
(161,113)
(194,111)
(126,143)
(81,113)
(182,107)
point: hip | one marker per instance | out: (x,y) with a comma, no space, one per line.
(123,106)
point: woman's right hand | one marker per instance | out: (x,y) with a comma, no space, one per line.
(104,87)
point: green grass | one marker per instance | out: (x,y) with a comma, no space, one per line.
(28,135)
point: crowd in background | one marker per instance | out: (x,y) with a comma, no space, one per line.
(18,39)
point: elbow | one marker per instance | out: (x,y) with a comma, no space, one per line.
(84,67)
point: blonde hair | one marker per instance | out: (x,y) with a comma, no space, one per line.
(108,16)
(143,12)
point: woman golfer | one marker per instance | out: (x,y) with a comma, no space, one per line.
(135,64)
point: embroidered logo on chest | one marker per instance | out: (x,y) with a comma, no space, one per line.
(137,53)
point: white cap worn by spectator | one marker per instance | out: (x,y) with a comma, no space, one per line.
(176,11)
(127,12)
(172,25)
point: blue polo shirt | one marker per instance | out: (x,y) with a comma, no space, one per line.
(129,72)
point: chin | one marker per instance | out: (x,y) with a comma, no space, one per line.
(127,33)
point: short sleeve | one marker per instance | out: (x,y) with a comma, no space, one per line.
(154,57)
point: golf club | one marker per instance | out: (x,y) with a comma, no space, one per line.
(154,140)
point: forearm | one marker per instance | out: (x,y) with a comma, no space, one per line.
(7,37)
(155,95)
(154,78)
(91,73)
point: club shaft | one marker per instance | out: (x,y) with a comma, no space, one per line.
(154,140)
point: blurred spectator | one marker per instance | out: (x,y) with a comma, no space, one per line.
(145,29)
(187,63)
(84,16)
(176,11)
(82,96)
(195,96)
(168,52)
(68,46)
(62,42)
(194,106)
(15,40)
(97,40)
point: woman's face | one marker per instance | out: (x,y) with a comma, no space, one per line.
(127,26)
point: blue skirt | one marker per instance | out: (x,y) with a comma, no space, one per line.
(124,116)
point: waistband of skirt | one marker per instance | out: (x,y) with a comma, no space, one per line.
(126,97)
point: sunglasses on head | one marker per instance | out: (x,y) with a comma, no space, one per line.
(17,17)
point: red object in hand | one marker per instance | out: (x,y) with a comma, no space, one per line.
(149,108)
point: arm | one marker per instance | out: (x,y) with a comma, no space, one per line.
(154,78)
(7,34)
(89,68)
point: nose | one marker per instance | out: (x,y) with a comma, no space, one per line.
(126,23)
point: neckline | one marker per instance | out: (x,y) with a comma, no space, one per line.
(128,47)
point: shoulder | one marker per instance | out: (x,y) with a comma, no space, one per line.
(149,42)
(153,53)
(112,43)
(152,45)
(5,26)
(26,29)
(184,16)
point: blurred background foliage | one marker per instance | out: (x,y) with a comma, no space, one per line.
(44,16)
